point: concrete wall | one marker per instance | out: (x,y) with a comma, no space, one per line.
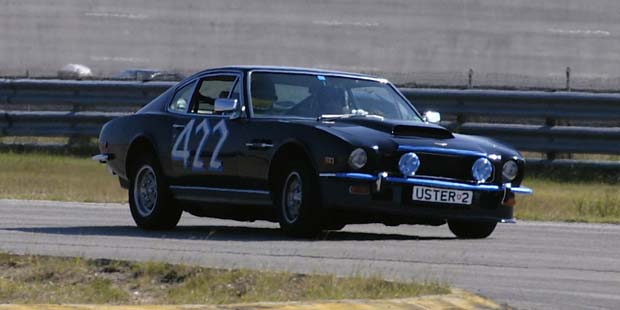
(506,42)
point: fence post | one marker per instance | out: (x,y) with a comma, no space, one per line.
(568,78)
(75,140)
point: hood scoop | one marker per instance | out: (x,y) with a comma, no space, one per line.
(425,131)
(401,128)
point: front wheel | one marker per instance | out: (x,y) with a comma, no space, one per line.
(150,201)
(297,201)
(471,230)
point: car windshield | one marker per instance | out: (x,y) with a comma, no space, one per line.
(325,97)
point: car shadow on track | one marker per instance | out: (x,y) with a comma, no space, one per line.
(220,233)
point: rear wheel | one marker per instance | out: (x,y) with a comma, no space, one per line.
(297,201)
(471,230)
(150,202)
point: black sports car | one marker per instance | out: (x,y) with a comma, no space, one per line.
(314,150)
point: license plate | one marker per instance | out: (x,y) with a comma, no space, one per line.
(431,194)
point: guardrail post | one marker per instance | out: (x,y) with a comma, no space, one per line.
(567,78)
(470,78)
(460,116)
(76,140)
(9,123)
(550,122)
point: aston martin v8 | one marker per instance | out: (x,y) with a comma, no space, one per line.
(311,149)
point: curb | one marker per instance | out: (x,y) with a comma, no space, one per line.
(458,299)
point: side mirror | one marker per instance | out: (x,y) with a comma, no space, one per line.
(223,105)
(432,117)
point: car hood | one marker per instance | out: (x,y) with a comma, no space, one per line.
(388,135)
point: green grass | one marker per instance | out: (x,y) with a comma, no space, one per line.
(52,280)
(57,177)
(586,201)
(568,195)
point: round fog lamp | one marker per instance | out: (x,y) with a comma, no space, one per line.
(482,170)
(358,158)
(510,170)
(409,164)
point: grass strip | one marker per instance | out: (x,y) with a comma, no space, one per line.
(57,177)
(54,280)
(584,201)
(558,195)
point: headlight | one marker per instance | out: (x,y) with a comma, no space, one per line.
(409,164)
(358,158)
(510,170)
(482,170)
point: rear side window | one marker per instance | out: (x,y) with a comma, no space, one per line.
(181,99)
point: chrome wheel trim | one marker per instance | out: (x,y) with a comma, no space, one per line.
(145,191)
(292,197)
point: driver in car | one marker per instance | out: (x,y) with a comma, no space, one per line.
(263,95)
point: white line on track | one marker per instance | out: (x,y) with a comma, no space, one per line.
(584,32)
(344,23)
(116,15)
(119,59)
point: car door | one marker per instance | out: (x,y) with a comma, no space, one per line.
(206,144)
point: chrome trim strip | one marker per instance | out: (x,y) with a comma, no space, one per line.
(310,71)
(102,158)
(522,190)
(509,221)
(438,150)
(219,189)
(427,182)
(350,175)
(259,145)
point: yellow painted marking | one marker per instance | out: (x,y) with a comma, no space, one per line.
(458,299)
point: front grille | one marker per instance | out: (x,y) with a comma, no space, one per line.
(454,167)
(436,165)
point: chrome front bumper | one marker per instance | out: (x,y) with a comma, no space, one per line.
(383,177)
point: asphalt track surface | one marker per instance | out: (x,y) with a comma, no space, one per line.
(530,265)
(526,43)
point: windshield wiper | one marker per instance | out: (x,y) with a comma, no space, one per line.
(324,117)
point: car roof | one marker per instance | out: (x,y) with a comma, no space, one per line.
(247,68)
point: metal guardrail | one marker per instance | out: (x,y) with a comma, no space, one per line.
(533,121)
(62,95)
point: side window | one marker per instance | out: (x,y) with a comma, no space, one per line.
(181,99)
(209,89)
(236,94)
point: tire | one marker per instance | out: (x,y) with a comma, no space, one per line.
(297,201)
(471,230)
(151,205)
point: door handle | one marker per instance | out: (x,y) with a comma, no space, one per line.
(178,126)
